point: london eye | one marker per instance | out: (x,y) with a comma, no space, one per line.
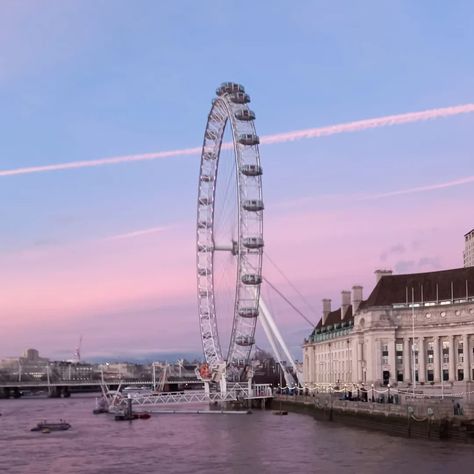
(238,208)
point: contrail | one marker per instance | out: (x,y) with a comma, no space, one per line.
(137,233)
(418,189)
(348,127)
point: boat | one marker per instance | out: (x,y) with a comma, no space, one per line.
(133,416)
(280,412)
(47,427)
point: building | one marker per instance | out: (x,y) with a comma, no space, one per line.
(469,249)
(30,366)
(414,328)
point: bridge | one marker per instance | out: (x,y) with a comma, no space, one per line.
(63,388)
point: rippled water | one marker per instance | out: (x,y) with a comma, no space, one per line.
(259,442)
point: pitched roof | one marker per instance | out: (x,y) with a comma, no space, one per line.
(431,286)
(334,317)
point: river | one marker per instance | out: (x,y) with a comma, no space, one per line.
(259,442)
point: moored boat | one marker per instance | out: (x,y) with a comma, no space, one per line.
(47,427)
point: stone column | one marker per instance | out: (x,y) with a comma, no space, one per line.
(466,355)
(358,358)
(436,360)
(421,359)
(392,360)
(452,361)
(406,360)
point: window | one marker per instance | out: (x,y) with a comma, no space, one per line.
(430,376)
(399,353)
(399,376)
(430,352)
(445,352)
(460,352)
(445,375)
(385,354)
(460,374)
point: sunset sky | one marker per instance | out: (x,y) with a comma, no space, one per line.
(108,252)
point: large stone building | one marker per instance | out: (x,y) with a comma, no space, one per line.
(412,328)
(469,249)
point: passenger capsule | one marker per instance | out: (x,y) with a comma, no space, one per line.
(251,279)
(204,225)
(239,98)
(248,312)
(245,115)
(229,88)
(244,340)
(253,205)
(203,271)
(206,178)
(252,242)
(251,170)
(249,139)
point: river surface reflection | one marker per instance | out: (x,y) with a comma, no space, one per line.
(260,442)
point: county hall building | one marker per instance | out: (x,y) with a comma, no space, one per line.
(411,327)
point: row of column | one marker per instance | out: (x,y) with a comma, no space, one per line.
(408,355)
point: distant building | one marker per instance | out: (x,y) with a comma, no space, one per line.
(30,366)
(469,249)
(416,327)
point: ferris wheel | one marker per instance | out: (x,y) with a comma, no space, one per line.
(244,244)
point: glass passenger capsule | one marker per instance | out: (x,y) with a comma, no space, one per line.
(245,115)
(251,170)
(249,139)
(252,242)
(244,340)
(229,88)
(253,205)
(251,279)
(248,312)
(239,98)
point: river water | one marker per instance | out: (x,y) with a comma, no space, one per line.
(260,442)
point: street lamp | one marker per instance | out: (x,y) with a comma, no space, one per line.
(373,399)
(388,386)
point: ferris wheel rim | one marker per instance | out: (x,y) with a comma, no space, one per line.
(230,107)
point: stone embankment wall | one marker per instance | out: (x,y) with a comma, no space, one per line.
(430,419)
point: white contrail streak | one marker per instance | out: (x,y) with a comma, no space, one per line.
(137,233)
(418,189)
(356,126)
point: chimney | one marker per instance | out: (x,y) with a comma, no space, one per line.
(326,309)
(345,302)
(356,298)
(380,273)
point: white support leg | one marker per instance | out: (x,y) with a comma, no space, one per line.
(275,337)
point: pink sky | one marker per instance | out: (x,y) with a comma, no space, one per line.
(145,284)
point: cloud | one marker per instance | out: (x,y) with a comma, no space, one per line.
(420,265)
(349,127)
(394,249)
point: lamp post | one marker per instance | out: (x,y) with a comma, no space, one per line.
(388,386)
(373,399)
